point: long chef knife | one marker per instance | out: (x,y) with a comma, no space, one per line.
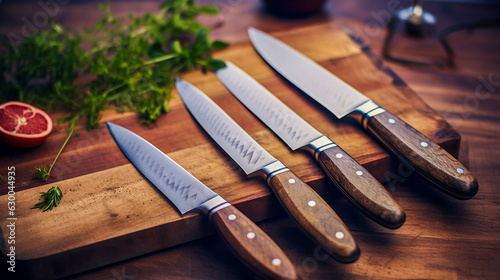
(427,157)
(303,204)
(247,240)
(352,179)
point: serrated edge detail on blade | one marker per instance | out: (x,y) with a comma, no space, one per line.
(222,128)
(289,126)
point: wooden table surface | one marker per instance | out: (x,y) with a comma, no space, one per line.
(443,238)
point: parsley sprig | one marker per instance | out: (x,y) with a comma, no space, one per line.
(125,64)
(51,199)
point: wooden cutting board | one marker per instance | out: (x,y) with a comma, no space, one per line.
(109,212)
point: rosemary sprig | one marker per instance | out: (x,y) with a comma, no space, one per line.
(51,199)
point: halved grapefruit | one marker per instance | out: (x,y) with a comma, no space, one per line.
(23,125)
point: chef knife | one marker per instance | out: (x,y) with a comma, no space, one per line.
(247,240)
(352,179)
(427,157)
(303,204)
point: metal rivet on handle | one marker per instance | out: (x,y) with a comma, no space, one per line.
(276,262)
(339,234)
(460,170)
(291,181)
(311,203)
(339,155)
(232,217)
(359,172)
(424,144)
(392,121)
(250,235)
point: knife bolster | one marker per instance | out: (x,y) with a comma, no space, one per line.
(316,146)
(270,170)
(213,205)
(365,111)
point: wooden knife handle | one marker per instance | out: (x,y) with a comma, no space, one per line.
(427,157)
(361,187)
(314,216)
(255,248)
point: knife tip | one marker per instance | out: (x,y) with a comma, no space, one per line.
(179,84)
(178,80)
(252,30)
(109,124)
(222,70)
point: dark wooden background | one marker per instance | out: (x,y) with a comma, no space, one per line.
(443,238)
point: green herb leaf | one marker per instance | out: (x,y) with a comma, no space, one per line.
(219,45)
(130,65)
(50,198)
(41,173)
(131,61)
(208,10)
(216,64)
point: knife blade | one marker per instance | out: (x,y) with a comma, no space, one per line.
(256,249)
(302,203)
(347,174)
(409,144)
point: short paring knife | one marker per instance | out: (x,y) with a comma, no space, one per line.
(255,248)
(352,179)
(427,157)
(303,204)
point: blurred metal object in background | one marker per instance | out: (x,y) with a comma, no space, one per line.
(417,21)
(420,24)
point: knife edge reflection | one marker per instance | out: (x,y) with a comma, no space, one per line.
(179,186)
(292,129)
(260,253)
(303,204)
(429,159)
(338,97)
(238,144)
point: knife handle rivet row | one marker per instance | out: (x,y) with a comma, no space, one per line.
(339,234)
(250,235)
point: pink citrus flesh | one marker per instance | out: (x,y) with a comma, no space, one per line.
(23,125)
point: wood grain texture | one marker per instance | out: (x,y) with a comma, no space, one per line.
(442,238)
(433,243)
(108,215)
(361,187)
(315,216)
(428,158)
(252,245)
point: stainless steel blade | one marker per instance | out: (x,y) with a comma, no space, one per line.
(289,126)
(181,188)
(319,83)
(249,155)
